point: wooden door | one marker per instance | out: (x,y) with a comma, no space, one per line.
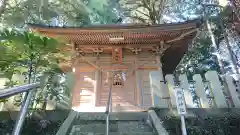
(146,90)
(123,90)
(84,90)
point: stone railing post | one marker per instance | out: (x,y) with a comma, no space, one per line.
(171,85)
(157,92)
(233,91)
(200,91)
(216,88)
(187,93)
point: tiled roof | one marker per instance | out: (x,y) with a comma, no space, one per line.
(132,34)
(178,35)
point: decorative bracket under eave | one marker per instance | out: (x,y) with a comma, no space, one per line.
(135,50)
(117,55)
(97,51)
(161,48)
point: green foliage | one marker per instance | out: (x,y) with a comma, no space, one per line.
(22,47)
(43,54)
(104,11)
(63,12)
(31,127)
(199,59)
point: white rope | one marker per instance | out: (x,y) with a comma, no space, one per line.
(92,63)
(182,36)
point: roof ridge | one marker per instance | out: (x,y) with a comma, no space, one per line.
(114,26)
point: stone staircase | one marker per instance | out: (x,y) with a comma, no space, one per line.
(116,128)
(129,123)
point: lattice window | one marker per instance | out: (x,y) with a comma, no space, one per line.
(118,79)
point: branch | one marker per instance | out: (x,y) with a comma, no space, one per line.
(146,5)
(143,13)
(139,19)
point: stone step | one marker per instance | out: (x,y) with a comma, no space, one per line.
(123,127)
(128,116)
(133,126)
(95,128)
(114,133)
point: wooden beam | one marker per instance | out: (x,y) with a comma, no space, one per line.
(106,68)
(119,45)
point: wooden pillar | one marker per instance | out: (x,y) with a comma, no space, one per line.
(110,83)
(97,85)
(138,83)
(159,92)
(159,64)
(72,84)
(1,106)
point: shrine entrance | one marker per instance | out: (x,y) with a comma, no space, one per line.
(124,88)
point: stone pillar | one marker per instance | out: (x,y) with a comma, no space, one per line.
(187,93)
(200,91)
(216,88)
(171,85)
(233,91)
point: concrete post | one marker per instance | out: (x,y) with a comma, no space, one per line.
(200,91)
(233,91)
(187,93)
(217,91)
(171,85)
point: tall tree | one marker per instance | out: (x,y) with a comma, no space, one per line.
(144,11)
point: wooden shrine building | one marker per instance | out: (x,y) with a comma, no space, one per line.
(130,51)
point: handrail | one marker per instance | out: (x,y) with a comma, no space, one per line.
(108,108)
(28,88)
(109,101)
(18,89)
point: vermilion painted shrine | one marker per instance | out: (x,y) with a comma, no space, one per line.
(131,51)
